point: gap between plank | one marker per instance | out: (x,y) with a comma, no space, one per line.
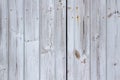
(66,42)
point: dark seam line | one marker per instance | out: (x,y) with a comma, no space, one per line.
(39,41)
(8,34)
(66,43)
(24,40)
(106,39)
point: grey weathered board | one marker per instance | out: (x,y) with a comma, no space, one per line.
(59,39)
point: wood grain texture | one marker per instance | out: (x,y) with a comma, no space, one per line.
(37,42)
(98,39)
(53,39)
(16,45)
(78,39)
(31,10)
(3,40)
(113,38)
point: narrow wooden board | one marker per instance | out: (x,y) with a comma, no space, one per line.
(31,10)
(98,40)
(53,39)
(16,45)
(78,39)
(3,40)
(113,39)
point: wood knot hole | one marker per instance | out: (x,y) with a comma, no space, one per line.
(77,54)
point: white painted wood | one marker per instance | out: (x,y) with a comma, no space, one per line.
(3,40)
(31,39)
(16,46)
(98,40)
(78,40)
(53,39)
(60,39)
(113,38)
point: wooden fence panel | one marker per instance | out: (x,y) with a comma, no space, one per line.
(87,40)
(59,40)
(53,39)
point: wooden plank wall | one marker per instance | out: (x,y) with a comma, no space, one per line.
(59,39)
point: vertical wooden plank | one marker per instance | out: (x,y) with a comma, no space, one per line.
(3,40)
(60,39)
(31,39)
(78,39)
(53,39)
(47,40)
(16,45)
(98,39)
(117,61)
(113,38)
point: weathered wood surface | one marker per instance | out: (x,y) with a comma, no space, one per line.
(3,40)
(31,32)
(53,39)
(98,20)
(78,39)
(113,38)
(59,39)
(98,40)
(32,40)
(15,40)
